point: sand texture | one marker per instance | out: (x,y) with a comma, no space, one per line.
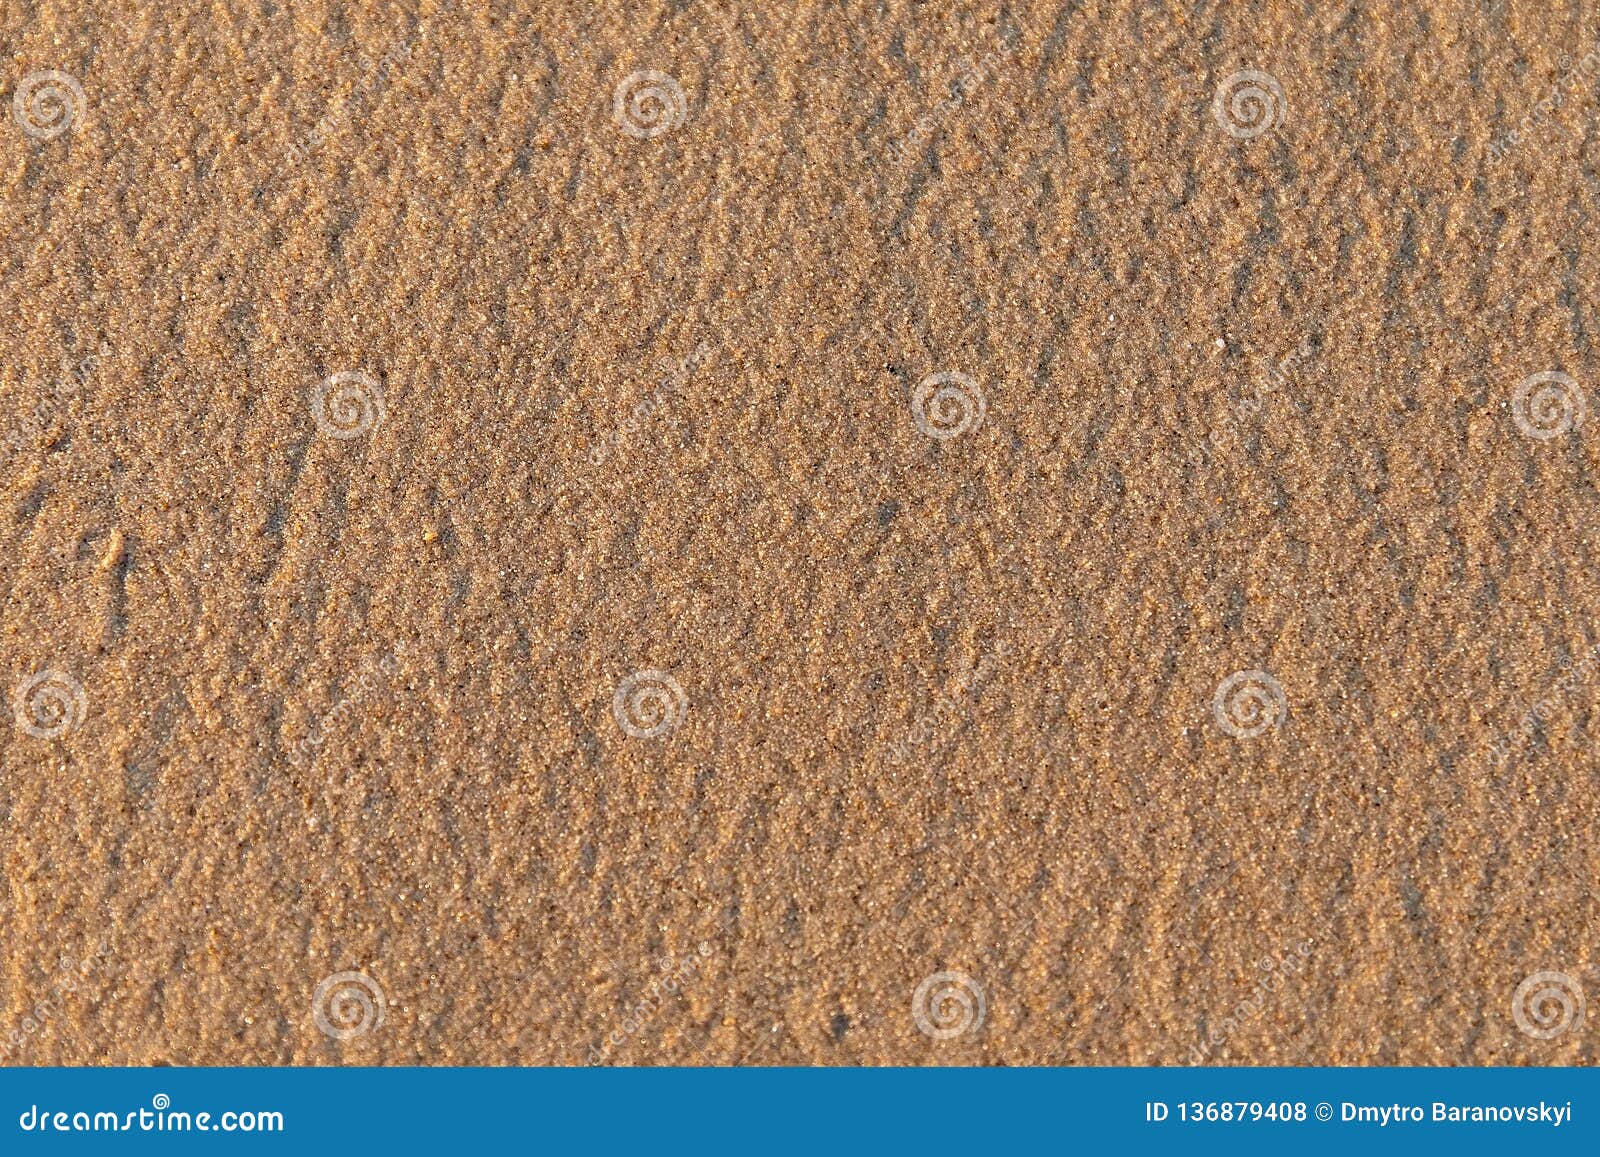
(809,533)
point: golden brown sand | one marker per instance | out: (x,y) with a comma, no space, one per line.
(387,385)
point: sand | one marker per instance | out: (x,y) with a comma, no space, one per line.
(878,533)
